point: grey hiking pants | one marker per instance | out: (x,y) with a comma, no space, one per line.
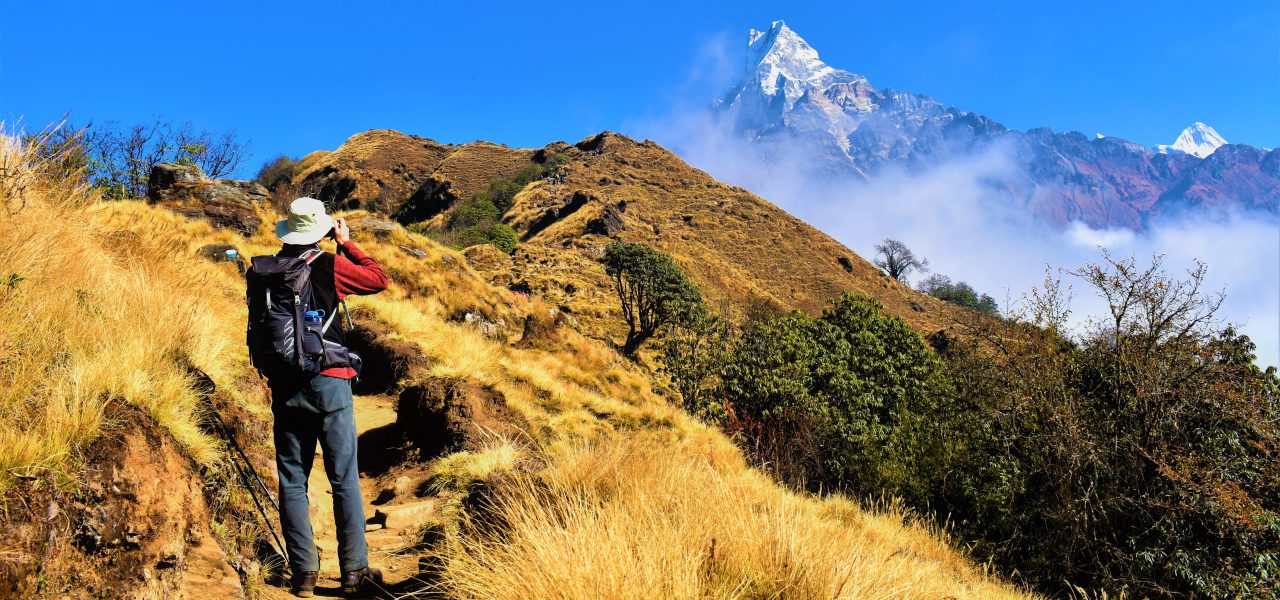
(306,411)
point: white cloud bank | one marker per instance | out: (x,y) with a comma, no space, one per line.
(947,215)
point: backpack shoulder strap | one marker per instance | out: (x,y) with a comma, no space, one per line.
(343,304)
(310,255)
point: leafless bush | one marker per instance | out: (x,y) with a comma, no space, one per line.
(118,160)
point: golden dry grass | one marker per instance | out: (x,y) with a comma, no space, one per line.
(99,316)
(643,517)
(610,492)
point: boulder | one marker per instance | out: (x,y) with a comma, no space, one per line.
(218,253)
(414,252)
(226,203)
(166,176)
(940,341)
(556,213)
(404,516)
(377,227)
(433,197)
(609,223)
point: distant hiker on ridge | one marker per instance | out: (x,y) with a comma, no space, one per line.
(294,298)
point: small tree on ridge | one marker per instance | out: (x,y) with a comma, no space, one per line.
(898,260)
(652,288)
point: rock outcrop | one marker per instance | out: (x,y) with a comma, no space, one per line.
(447,414)
(226,203)
(138,522)
(405,176)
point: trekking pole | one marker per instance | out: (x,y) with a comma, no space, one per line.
(225,433)
(275,535)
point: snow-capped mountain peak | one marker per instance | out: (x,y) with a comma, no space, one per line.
(780,52)
(802,119)
(1198,140)
(785,84)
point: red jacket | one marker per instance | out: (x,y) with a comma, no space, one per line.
(354,273)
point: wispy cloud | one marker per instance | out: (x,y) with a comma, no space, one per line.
(1081,234)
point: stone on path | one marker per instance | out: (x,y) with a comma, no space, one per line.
(402,516)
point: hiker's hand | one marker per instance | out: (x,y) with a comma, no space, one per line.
(341,232)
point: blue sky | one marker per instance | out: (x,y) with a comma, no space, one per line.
(295,78)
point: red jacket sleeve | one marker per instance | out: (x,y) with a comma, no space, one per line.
(354,272)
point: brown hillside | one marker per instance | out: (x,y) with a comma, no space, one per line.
(503,454)
(374,170)
(735,244)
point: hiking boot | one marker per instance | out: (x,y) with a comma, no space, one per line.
(303,584)
(361,580)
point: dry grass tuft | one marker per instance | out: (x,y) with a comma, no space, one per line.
(97,316)
(638,517)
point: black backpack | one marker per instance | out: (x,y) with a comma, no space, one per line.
(285,333)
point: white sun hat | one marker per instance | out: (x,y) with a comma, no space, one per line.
(307,223)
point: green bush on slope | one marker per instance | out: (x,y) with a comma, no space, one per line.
(1138,456)
(477,220)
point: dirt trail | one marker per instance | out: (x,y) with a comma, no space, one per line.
(391,546)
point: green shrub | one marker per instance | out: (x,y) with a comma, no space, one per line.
(691,353)
(1139,456)
(652,288)
(277,172)
(831,401)
(960,293)
(504,237)
(476,210)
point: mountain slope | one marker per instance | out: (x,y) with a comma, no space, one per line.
(737,247)
(524,459)
(409,176)
(791,104)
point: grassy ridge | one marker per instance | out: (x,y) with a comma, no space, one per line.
(609,492)
(97,315)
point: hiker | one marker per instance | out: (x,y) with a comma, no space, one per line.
(310,375)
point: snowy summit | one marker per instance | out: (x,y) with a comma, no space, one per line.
(785,84)
(1198,140)
(780,58)
(795,113)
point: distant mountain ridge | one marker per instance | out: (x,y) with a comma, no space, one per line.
(789,99)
